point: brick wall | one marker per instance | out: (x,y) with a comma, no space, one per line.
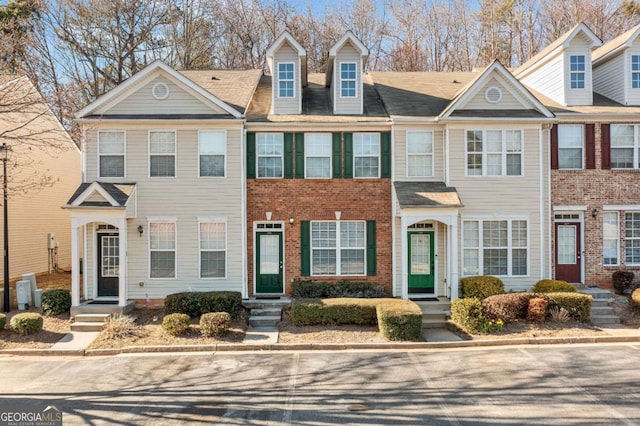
(319,199)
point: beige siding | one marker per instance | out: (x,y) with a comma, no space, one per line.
(348,53)
(287,53)
(400,152)
(508,101)
(608,79)
(549,79)
(142,101)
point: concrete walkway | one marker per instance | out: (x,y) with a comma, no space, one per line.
(261,335)
(76,341)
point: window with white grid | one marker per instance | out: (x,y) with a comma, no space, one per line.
(212,148)
(495,247)
(111,153)
(611,238)
(632,238)
(338,248)
(494,152)
(270,153)
(624,146)
(419,154)
(317,155)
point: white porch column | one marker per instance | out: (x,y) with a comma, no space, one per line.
(455,267)
(122,275)
(405,254)
(75,266)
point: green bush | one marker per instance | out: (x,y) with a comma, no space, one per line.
(176,324)
(334,311)
(578,305)
(481,286)
(3,321)
(509,306)
(399,320)
(468,314)
(635,299)
(56,302)
(215,323)
(195,303)
(26,323)
(307,289)
(622,281)
(552,286)
(537,310)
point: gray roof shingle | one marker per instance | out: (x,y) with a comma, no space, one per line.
(426,194)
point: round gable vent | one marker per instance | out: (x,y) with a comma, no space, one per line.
(493,95)
(160,91)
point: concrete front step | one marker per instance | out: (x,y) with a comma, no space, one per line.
(264,321)
(87,326)
(91,318)
(604,319)
(598,303)
(261,312)
(434,323)
(597,293)
(601,310)
(266,303)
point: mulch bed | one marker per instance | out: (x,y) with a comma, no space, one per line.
(54,328)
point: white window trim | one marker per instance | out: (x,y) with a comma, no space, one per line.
(503,154)
(293,80)
(124,132)
(353,160)
(355,80)
(151,220)
(584,72)
(636,147)
(432,154)
(625,239)
(175,153)
(258,157)
(337,248)
(307,156)
(225,250)
(583,149)
(617,239)
(224,175)
(510,246)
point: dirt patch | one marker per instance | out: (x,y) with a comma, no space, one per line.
(54,328)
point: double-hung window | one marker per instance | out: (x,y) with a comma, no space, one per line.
(635,71)
(162,154)
(419,154)
(624,146)
(317,153)
(162,249)
(111,149)
(286,80)
(366,155)
(338,248)
(577,71)
(348,79)
(570,146)
(494,153)
(632,238)
(212,147)
(213,249)
(495,247)
(610,235)
(270,152)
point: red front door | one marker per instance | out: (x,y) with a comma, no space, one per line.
(568,252)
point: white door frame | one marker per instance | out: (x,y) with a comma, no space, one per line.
(281,230)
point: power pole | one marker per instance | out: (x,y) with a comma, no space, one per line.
(7,299)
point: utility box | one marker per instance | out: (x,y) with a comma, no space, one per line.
(1,299)
(31,277)
(23,294)
(51,241)
(37,299)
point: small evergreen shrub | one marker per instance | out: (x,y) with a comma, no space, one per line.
(468,314)
(399,320)
(26,323)
(481,286)
(56,302)
(334,311)
(508,307)
(622,281)
(537,310)
(176,324)
(195,303)
(3,321)
(635,299)
(552,286)
(215,323)
(578,305)
(307,289)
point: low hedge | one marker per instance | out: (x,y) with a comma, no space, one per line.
(176,323)
(509,306)
(481,286)
(537,309)
(552,286)
(196,303)
(468,314)
(3,321)
(307,289)
(635,299)
(56,301)
(397,319)
(26,323)
(578,305)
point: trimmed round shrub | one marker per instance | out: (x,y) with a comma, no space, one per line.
(26,323)
(622,281)
(635,298)
(215,324)
(176,324)
(552,286)
(468,314)
(56,302)
(481,286)
(3,321)
(578,305)
(508,307)
(537,310)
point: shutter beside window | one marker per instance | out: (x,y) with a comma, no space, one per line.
(348,155)
(371,248)
(590,145)
(385,154)
(554,146)
(251,155)
(299,155)
(305,248)
(605,137)
(337,155)
(288,155)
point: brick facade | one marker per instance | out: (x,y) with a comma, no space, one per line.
(319,199)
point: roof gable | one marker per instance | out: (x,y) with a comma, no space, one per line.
(615,46)
(102,194)
(349,37)
(287,39)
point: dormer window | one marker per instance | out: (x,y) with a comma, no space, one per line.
(577,71)
(635,71)
(286,80)
(348,79)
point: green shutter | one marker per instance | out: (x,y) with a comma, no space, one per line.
(305,245)
(371,247)
(348,155)
(251,155)
(288,155)
(337,156)
(300,155)
(385,154)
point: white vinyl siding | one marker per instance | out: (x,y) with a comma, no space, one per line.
(270,154)
(570,146)
(112,154)
(610,237)
(366,155)
(495,247)
(213,250)
(162,249)
(494,153)
(162,153)
(338,248)
(419,154)
(609,79)
(317,155)
(549,80)
(625,146)
(347,104)
(212,148)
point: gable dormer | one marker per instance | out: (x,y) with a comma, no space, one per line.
(344,74)
(562,71)
(287,61)
(616,68)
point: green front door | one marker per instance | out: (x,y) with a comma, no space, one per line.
(269,263)
(421,262)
